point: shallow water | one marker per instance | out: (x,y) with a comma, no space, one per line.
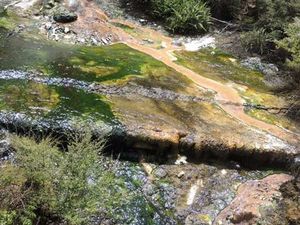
(53,102)
(46,79)
(93,64)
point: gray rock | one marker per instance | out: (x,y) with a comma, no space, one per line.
(160,173)
(104,41)
(64,15)
(181,174)
(149,189)
(94,41)
(66,30)
(255,63)
(143,21)
(48,25)
(50,4)
(148,41)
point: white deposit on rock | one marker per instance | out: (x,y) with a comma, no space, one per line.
(23,4)
(197,44)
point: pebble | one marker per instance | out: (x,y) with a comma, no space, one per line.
(148,41)
(94,41)
(223,172)
(48,25)
(163,44)
(143,21)
(81,40)
(181,174)
(181,160)
(104,41)
(160,173)
(66,30)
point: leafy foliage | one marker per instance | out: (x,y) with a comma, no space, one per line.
(256,40)
(291,43)
(180,16)
(275,14)
(267,23)
(45,184)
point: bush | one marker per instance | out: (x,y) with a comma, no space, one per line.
(291,43)
(275,14)
(266,24)
(45,184)
(180,16)
(256,40)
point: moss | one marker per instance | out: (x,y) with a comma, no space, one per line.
(205,218)
(9,19)
(20,96)
(217,65)
(50,102)
(116,64)
(270,118)
(6,23)
(124,27)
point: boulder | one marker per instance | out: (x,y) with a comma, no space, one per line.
(63,15)
(255,63)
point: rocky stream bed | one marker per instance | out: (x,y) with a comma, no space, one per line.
(189,161)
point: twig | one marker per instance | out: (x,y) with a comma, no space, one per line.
(11,4)
(225,22)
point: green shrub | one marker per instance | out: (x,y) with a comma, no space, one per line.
(180,16)
(46,184)
(275,14)
(256,40)
(291,43)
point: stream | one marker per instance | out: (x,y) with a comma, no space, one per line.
(187,144)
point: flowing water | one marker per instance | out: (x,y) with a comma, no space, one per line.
(57,78)
(163,104)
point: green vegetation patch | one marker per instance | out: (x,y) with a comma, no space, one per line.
(182,16)
(217,65)
(78,186)
(125,27)
(276,119)
(8,20)
(53,102)
(291,43)
(7,23)
(46,184)
(115,64)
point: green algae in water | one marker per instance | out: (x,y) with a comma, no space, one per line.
(115,64)
(124,27)
(217,65)
(7,20)
(92,64)
(278,120)
(17,52)
(112,64)
(52,102)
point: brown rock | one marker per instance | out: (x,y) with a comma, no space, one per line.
(251,197)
